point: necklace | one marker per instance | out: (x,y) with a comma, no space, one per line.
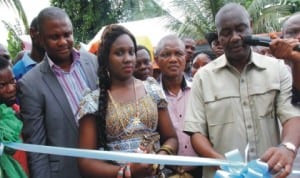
(130,128)
(136,119)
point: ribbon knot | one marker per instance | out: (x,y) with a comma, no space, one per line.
(253,169)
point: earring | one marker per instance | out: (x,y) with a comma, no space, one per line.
(108,74)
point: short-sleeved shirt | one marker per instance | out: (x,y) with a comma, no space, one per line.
(23,66)
(177,105)
(123,131)
(233,109)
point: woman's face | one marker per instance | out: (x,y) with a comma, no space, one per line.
(122,58)
(199,61)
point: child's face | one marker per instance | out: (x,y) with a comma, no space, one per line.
(8,87)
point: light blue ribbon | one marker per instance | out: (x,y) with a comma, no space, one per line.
(253,169)
(233,167)
(123,156)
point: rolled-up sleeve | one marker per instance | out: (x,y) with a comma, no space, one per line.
(285,108)
(195,120)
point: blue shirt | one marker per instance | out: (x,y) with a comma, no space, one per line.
(23,66)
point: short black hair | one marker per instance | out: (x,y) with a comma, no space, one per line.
(4,63)
(211,36)
(51,13)
(34,23)
(209,53)
(140,47)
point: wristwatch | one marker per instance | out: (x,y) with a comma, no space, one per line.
(290,146)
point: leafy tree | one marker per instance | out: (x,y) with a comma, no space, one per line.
(16,7)
(88,16)
(200,18)
(131,10)
(266,15)
(13,44)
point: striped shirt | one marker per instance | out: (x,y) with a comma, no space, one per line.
(73,82)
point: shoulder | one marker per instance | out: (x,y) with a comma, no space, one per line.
(34,74)
(153,89)
(266,61)
(85,55)
(88,103)
(151,85)
(18,68)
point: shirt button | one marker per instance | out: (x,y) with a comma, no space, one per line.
(244,103)
(249,126)
(180,115)
(185,147)
(242,80)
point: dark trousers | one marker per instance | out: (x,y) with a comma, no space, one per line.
(196,173)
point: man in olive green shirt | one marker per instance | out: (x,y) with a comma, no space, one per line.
(237,98)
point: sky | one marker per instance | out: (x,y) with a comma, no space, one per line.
(31,7)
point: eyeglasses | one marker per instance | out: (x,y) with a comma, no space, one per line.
(11,82)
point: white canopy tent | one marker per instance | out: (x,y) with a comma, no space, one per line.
(153,28)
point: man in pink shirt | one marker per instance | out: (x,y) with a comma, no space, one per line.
(170,57)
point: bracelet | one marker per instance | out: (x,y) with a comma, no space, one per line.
(124,172)
(168,149)
(289,146)
(157,169)
(127,171)
(120,172)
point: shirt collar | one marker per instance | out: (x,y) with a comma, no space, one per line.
(75,54)
(27,60)
(255,59)
(185,84)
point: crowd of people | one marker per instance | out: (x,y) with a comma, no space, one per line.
(188,102)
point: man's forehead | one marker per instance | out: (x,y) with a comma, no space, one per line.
(3,50)
(232,16)
(233,21)
(292,22)
(173,44)
(189,41)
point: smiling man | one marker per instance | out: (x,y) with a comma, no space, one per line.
(50,94)
(237,99)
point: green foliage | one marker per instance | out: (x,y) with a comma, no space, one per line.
(16,6)
(131,10)
(200,18)
(14,44)
(88,16)
(267,15)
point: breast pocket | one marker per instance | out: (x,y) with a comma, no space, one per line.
(221,108)
(264,100)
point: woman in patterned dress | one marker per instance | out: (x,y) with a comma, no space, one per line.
(124,114)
